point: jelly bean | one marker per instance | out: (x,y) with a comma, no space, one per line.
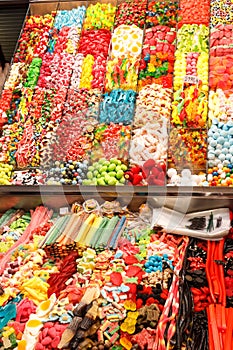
(221,12)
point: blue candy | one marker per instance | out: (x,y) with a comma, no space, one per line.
(117,107)
(70,18)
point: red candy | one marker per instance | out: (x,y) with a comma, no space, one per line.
(151,173)
(50,336)
(131,12)
(34,45)
(193,14)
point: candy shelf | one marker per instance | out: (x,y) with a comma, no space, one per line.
(188,199)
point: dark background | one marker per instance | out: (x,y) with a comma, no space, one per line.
(12,15)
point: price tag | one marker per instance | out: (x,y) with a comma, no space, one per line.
(64,210)
(190,79)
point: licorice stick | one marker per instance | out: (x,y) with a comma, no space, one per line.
(118,236)
(6,216)
(57,229)
(72,222)
(209,270)
(218,312)
(214,269)
(54,231)
(115,232)
(83,231)
(91,233)
(214,328)
(98,233)
(71,234)
(39,217)
(107,231)
(78,226)
(171,306)
(228,339)
(221,272)
(10,217)
(210,331)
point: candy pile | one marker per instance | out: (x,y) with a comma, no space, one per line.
(220,114)
(111,141)
(106,172)
(99,276)
(188,149)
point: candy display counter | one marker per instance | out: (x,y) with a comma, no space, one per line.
(114,93)
(115,134)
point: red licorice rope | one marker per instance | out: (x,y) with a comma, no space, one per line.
(38,218)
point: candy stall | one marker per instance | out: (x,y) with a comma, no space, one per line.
(116,169)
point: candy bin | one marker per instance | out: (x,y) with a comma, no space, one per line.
(123,63)
(189,13)
(148,149)
(22,80)
(82,104)
(111,141)
(189,107)
(187,157)
(56,74)
(94,44)
(220,141)
(190,96)
(119,279)
(159,44)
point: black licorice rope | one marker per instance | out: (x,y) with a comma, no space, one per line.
(191,327)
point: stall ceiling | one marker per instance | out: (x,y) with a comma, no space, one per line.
(12,15)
